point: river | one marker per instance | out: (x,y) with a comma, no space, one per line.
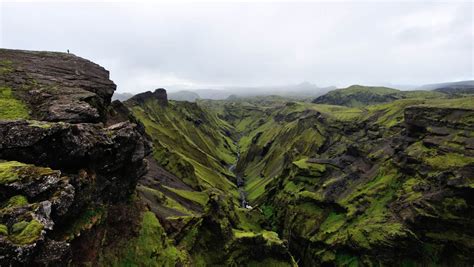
(240,182)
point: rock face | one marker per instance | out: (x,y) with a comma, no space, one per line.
(459,118)
(57,86)
(76,152)
(159,95)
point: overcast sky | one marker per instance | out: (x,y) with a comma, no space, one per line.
(211,45)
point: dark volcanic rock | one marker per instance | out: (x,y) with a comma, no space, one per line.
(114,151)
(78,152)
(422,117)
(58,86)
(158,94)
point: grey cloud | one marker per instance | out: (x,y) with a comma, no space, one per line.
(248,44)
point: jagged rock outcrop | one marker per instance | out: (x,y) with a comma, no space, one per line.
(158,95)
(57,86)
(426,116)
(76,152)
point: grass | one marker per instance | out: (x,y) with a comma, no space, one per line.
(312,167)
(10,107)
(200,198)
(150,248)
(165,200)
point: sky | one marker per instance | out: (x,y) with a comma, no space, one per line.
(214,45)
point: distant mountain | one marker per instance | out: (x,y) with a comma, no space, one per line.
(302,90)
(184,96)
(298,91)
(450,86)
(214,94)
(121,96)
(358,95)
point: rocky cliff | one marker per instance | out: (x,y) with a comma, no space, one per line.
(387,184)
(60,155)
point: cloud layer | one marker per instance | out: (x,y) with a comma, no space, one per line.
(252,44)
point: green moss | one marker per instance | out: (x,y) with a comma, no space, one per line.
(453,236)
(241,234)
(90,217)
(16,201)
(40,124)
(10,107)
(343,259)
(163,200)
(449,160)
(19,226)
(305,164)
(407,189)
(24,233)
(150,248)
(190,142)
(6,66)
(332,223)
(308,195)
(248,219)
(3,230)
(269,262)
(269,236)
(200,198)
(291,187)
(9,171)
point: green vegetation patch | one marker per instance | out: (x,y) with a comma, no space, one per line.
(86,220)
(24,233)
(16,201)
(6,66)
(3,230)
(332,223)
(313,168)
(449,160)
(11,171)
(150,248)
(10,107)
(198,197)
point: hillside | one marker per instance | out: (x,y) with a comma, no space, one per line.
(348,185)
(384,178)
(358,96)
(450,85)
(192,189)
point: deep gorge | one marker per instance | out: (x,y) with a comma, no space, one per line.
(156,182)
